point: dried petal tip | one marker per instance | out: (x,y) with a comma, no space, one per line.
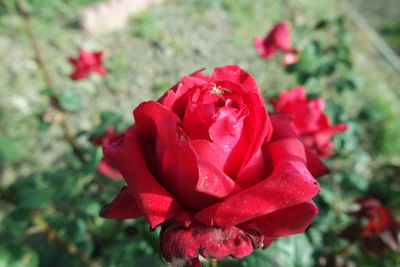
(182,246)
(104,210)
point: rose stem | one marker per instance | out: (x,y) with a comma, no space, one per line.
(214,262)
(53,99)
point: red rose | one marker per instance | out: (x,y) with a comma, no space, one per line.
(86,63)
(379,232)
(278,38)
(379,218)
(308,119)
(105,167)
(208,164)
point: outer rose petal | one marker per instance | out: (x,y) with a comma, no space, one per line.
(290,184)
(156,204)
(107,169)
(122,207)
(309,121)
(265,52)
(283,130)
(179,244)
(282,127)
(289,221)
(315,165)
(280,36)
(297,94)
(284,149)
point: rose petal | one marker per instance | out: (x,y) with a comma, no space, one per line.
(196,120)
(315,165)
(225,133)
(282,127)
(286,98)
(289,221)
(213,182)
(122,207)
(157,205)
(174,99)
(280,37)
(177,167)
(105,167)
(284,149)
(253,172)
(183,245)
(242,83)
(268,241)
(263,50)
(235,74)
(290,184)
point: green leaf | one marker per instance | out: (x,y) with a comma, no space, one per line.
(32,198)
(88,206)
(308,59)
(291,251)
(16,222)
(18,256)
(46,92)
(7,149)
(70,100)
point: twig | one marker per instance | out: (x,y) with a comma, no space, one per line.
(53,99)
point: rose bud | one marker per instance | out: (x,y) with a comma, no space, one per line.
(105,166)
(278,38)
(209,165)
(309,121)
(86,63)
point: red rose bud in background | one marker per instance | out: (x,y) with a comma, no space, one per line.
(86,63)
(309,121)
(208,164)
(278,38)
(379,233)
(105,167)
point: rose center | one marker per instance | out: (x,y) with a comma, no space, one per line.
(219,91)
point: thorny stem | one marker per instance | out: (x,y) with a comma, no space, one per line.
(53,100)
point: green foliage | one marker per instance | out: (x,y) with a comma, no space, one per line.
(70,100)
(7,149)
(42,6)
(17,256)
(290,251)
(331,61)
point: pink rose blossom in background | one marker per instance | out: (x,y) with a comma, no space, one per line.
(279,39)
(105,166)
(308,120)
(376,229)
(86,63)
